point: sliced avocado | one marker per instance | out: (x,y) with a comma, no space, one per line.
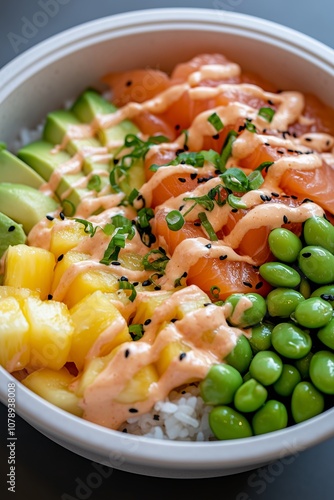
(24,204)
(11,233)
(58,124)
(14,170)
(90,104)
(41,157)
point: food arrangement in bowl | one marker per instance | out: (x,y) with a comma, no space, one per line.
(168,264)
(167,243)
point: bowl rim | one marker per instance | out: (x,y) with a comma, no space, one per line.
(138,449)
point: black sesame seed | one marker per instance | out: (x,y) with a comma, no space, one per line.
(147,322)
(123,278)
(49,217)
(127,353)
(177,127)
(307,200)
(197,224)
(280,152)
(115,263)
(270,102)
(61,256)
(294,197)
(276,195)
(216,136)
(179,151)
(184,275)
(181,179)
(207,304)
(290,150)
(208,245)
(140,197)
(234,210)
(247,283)
(306,255)
(263,197)
(146,283)
(223,257)
(135,283)
(308,139)
(128,83)
(181,207)
(11,229)
(264,130)
(285,219)
(193,176)
(133,410)
(62,216)
(186,147)
(298,152)
(125,430)
(115,161)
(217,171)
(173,320)
(268,198)
(241,128)
(182,356)
(266,144)
(50,297)
(259,285)
(285,196)
(295,135)
(156,417)
(328,143)
(157,287)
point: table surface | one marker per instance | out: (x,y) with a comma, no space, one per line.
(48,470)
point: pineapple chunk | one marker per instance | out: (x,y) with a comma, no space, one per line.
(18,293)
(51,331)
(85,282)
(65,237)
(131,261)
(147,304)
(137,389)
(29,267)
(168,354)
(14,335)
(54,387)
(96,321)
(92,369)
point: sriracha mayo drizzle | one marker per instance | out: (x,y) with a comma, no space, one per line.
(200,336)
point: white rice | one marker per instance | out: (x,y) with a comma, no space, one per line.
(182,416)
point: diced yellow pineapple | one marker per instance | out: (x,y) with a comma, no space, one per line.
(85,282)
(29,267)
(137,389)
(54,387)
(51,331)
(65,237)
(14,335)
(168,354)
(186,306)
(131,261)
(147,304)
(18,293)
(96,321)
(92,369)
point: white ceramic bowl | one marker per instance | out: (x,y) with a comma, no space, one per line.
(43,78)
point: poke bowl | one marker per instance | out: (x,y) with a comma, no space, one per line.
(167,243)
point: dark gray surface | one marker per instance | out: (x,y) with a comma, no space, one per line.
(44,470)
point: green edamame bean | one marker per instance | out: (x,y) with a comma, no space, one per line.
(290,341)
(319,231)
(317,264)
(305,288)
(279,275)
(247,310)
(246,377)
(322,371)
(326,334)
(313,313)
(260,340)
(303,365)
(273,416)
(266,367)
(282,302)
(326,292)
(227,423)
(284,244)
(288,380)
(306,402)
(220,384)
(241,356)
(250,396)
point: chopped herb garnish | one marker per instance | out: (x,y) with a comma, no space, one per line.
(250,126)
(255,180)
(126,285)
(264,166)
(155,260)
(207,226)
(68,208)
(227,149)
(236,202)
(123,230)
(133,195)
(204,201)
(215,291)
(267,113)
(95,183)
(175,220)
(216,122)
(143,226)
(136,331)
(89,228)
(235,180)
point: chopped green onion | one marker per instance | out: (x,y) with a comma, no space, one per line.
(255,180)
(123,230)
(227,148)
(264,166)
(175,220)
(68,208)
(178,281)
(89,228)
(236,202)
(216,122)
(216,195)
(143,226)
(154,167)
(3,145)
(215,291)
(136,331)
(204,201)
(126,285)
(144,216)
(250,126)
(235,180)
(133,195)
(116,175)
(109,229)
(94,183)
(207,226)
(157,264)
(267,113)
(213,157)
